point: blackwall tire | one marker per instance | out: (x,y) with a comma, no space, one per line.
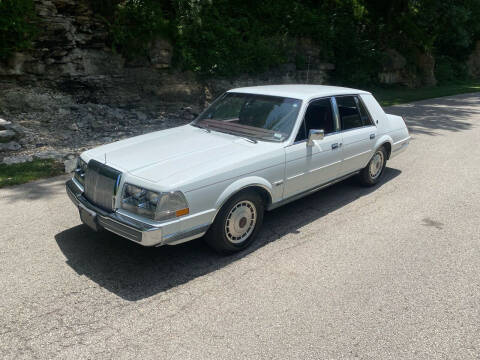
(237,223)
(371,174)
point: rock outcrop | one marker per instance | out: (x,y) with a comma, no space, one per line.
(426,66)
(473,63)
(71,92)
(394,69)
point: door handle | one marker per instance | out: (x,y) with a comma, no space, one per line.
(372,136)
(334,145)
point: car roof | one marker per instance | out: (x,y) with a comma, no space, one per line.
(303,92)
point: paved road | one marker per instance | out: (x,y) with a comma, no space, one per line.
(387,273)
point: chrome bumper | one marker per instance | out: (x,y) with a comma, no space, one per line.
(142,233)
(399,147)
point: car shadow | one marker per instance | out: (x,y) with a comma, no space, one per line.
(134,272)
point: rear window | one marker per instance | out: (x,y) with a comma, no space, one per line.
(352,112)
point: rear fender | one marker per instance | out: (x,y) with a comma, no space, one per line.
(382,140)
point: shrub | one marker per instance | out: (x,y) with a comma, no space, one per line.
(17,26)
(105,8)
(135,24)
(230,37)
(448,70)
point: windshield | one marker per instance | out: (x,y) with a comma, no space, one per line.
(253,116)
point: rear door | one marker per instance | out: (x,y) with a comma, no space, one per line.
(358,132)
(310,166)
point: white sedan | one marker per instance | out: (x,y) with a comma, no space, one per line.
(252,150)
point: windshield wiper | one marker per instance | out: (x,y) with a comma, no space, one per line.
(202,127)
(246,138)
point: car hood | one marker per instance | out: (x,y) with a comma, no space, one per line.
(178,155)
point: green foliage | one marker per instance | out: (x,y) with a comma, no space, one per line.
(231,37)
(353,47)
(104,8)
(227,37)
(447,27)
(449,70)
(17,26)
(135,24)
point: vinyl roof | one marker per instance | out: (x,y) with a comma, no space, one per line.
(303,92)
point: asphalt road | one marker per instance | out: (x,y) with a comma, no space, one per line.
(390,272)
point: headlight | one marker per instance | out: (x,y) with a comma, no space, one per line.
(154,205)
(80,170)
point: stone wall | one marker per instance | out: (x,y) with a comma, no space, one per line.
(72,55)
(396,71)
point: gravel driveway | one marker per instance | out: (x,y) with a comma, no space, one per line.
(390,272)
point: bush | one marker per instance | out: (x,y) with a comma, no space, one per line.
(135,24)
(17,26)
(448,70)
(356,56)
(105,8)
(230,37)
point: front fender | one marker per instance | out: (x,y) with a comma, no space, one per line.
(233,188)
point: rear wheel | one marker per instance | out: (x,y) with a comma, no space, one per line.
(370,174)
(237,223)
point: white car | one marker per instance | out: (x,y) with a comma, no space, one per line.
(252,150)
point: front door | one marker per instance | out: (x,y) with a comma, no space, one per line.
(310,166)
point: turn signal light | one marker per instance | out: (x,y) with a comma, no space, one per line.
(181,212)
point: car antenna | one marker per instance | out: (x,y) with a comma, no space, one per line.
(105,158)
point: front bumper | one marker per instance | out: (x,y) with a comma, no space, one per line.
(132,229)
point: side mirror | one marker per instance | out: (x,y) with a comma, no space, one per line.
(315,135)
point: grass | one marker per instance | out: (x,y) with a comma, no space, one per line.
(400,95)
(21,173)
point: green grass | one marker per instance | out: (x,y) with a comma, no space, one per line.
(400,95)
(21,173)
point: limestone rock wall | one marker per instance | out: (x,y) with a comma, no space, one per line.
(473,63)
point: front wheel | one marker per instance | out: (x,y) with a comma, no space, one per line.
(237,223)
(370,174)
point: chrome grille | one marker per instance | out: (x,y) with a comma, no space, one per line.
(101,185)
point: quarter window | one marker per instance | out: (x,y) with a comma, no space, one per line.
(363,112)
(318,116)
(352,112)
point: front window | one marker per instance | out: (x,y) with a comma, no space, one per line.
(319,116)
(262,117)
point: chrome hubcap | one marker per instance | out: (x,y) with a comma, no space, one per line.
(376,165)
(240,221)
